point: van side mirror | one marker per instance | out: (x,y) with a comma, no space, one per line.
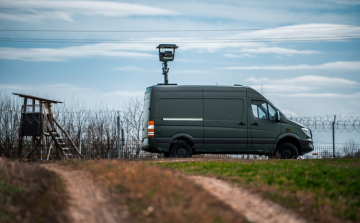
(277,116)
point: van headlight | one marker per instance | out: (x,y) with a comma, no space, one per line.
(307,132)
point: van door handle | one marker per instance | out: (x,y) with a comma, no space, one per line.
(241,123)
(255,124)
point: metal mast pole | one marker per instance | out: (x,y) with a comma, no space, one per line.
(165,72)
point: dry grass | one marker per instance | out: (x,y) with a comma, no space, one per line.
(155,194)
(29,193)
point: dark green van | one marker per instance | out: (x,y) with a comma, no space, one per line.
(180,121)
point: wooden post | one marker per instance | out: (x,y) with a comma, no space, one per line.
(25,103)
(20,146)
(50,116)
(33,138)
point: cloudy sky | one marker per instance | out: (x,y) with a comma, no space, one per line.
(303,55)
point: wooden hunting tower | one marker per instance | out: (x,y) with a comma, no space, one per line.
(37,121)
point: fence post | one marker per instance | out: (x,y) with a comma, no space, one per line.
(111,148)
(333,135)
(80,140)
(118,135)
(122,143)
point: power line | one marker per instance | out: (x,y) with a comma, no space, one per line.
(180,30)
(178,41)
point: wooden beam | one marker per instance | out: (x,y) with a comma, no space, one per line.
(37,98)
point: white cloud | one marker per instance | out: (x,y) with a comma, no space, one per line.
(35,88)
(277,50)
(321,95)
(289,113)
(312,32)
(301,86)
(35,10)
(188,44)
(262,12)
(308,80)
(129,68)
(338,65)
(231,55)
(268,88)
(191,72)
(125,93)
(62,54)
(249,51)
(344,2)
(36,16)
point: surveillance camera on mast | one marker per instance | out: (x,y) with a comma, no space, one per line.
(166,53)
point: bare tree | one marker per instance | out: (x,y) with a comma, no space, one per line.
(131,119)
(351,148)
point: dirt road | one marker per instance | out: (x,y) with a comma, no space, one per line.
(89,202)
(93,203)
(252,206)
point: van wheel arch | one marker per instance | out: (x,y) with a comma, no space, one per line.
(183,139)
(285,140)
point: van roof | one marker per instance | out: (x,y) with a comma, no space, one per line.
(197,88)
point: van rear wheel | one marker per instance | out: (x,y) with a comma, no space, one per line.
(181,149)
(288,151)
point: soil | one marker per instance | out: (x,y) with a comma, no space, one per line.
(89,202)
(250,205)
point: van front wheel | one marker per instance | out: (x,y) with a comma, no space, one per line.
(182,150)
(288,151)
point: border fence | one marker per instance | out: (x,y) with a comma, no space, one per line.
(334,136)
(117,133)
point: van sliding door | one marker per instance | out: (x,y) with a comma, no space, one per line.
(225,123)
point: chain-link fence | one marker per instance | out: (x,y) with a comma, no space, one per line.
(117,133)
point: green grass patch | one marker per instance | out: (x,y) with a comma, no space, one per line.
(332,186)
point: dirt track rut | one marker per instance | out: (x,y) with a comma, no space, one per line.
(88,201)
(252,206)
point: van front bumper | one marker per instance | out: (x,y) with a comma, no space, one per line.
(307,146)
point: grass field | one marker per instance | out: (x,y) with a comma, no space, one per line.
(29,193)
(319,190)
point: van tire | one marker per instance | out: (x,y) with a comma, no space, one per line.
(181,149)
(288,151)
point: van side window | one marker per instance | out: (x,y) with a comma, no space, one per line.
(272,113)
(263,110)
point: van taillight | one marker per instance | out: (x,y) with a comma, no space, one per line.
(151,129)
